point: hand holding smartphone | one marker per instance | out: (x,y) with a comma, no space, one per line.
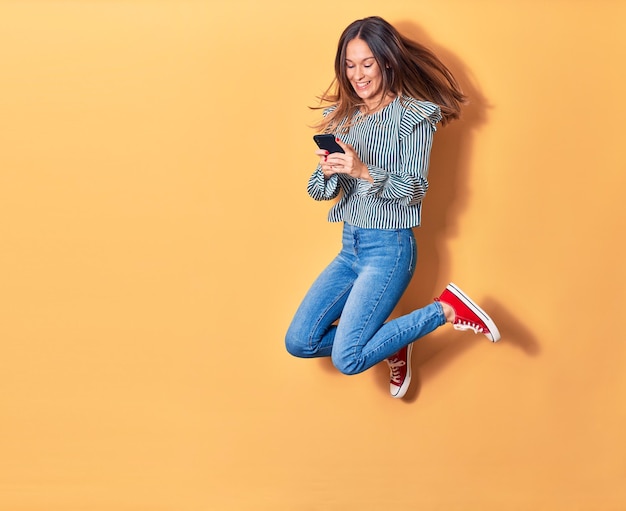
(328,143)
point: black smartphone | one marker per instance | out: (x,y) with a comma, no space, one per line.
(328,143)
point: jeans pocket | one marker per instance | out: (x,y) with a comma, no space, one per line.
(413,254)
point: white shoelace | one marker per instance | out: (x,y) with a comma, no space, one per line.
(466,325)
(394,366)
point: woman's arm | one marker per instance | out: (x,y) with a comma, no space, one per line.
(409,183)
(321,187)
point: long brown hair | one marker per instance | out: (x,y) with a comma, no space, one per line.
(407,67)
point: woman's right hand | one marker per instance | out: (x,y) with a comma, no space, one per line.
(347,162)
(323,154)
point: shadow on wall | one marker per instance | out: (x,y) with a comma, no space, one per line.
(447,198)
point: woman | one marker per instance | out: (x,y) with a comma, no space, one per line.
(388,95)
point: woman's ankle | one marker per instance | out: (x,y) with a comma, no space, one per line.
(448,312)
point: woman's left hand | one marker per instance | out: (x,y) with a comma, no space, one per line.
(345,163)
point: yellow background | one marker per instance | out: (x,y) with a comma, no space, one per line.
(157,237)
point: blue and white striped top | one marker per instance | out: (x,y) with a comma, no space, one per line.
(395,144)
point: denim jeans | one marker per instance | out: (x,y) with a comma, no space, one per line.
(360,288)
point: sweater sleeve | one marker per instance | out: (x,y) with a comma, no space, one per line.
(408,182)
(320,188)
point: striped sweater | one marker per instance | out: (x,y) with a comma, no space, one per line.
(395,144)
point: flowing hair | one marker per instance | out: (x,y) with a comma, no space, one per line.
(407,68)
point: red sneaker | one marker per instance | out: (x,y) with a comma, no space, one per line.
(468,315)
(400,369)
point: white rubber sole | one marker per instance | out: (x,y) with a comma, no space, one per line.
(407,380)
(493,329)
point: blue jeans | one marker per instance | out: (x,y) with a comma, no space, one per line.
(360,288)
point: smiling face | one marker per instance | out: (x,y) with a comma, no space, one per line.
(364,73)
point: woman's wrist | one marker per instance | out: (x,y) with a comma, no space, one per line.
(365,173)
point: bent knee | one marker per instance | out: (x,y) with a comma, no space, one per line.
(348,366)
(295,347)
